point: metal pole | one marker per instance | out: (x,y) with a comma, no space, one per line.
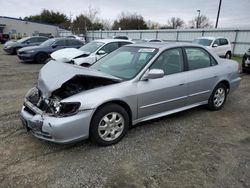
(218,14)
(198,19)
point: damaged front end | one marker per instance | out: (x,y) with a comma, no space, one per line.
(45,112)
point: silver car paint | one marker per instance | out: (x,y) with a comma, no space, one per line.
(147,99)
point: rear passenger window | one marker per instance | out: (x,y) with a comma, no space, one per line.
(170,61)
(41,39)
(198,58)
(123,43)
(61,43)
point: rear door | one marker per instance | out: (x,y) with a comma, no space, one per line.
(201,75)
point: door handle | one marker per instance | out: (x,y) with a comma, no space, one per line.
(181,84)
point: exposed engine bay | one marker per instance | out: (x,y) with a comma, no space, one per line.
(81,83)
(53,106)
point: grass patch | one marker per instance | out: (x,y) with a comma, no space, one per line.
(237,58)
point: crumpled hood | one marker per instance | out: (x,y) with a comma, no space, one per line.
(67,54)
(54,74)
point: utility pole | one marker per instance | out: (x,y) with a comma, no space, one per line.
(218,14)
(198,19)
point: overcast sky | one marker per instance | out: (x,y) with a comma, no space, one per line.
(234,13)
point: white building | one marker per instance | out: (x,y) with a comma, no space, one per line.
(19,27)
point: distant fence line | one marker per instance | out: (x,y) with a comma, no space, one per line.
(239,38)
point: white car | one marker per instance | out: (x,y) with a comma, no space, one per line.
(90,52)
(220,45)
(80,37)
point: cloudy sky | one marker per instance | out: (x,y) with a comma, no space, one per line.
(234,13)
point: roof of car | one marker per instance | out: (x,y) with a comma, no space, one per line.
(112,40)
(164,45)
(210,38)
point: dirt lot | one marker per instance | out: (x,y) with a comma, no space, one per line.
(195,148)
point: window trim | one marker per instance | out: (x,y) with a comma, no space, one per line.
(209,54)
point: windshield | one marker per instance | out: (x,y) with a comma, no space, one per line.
(203,42)
(48,42)
(91,47)
(23,39)
(126,62)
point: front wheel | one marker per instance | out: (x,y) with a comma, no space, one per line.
(218,97)
(41,57)
(109,125)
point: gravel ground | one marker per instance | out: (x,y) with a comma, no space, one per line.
(194,148)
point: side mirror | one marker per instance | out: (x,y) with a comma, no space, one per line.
(101,52)
(27,42)
(153,74)
(54,45)
(215,45)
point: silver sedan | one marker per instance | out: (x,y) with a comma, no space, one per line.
(133,84)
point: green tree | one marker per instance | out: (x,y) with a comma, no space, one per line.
(130,21)
(50,17)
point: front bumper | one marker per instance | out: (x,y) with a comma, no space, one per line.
(246,62)
(8,50)
(56,129)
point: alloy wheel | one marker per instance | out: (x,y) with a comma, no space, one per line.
(219,97)
(111,126)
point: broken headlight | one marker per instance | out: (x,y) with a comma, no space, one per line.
(64,108)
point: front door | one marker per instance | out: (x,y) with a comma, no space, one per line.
(157,96)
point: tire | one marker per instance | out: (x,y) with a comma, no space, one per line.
(41,58)
(14,52)
(228,55)
(103,129)
(218,97)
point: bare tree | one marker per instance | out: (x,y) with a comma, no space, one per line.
(175,23)
(92,14)
(107,24)
(201,21)
(153,24)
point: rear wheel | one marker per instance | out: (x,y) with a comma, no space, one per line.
(109,125)
(228,55)
(218,97)
(41,57)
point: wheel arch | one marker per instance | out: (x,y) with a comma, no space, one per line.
(121,103)
(226,83)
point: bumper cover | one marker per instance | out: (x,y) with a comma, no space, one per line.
(26,57)
(56,129)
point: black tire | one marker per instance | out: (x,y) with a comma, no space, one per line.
(228,55)
(98,119)
(41,57)
(211,101)
(14,52)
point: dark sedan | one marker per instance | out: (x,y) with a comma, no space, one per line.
(12,47)
(42,52)
(246,61)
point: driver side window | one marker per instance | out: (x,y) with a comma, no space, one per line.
(170,61)
(108,48)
